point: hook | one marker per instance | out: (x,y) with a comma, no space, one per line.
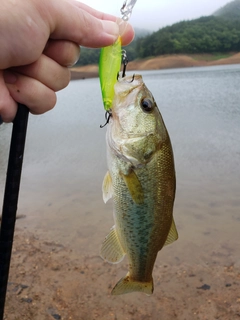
(133,77)
(108,115)
(125,62)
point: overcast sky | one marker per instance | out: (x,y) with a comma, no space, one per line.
(154,14)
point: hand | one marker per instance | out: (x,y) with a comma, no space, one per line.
(39,40)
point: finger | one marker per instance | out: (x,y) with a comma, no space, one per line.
(83,28)
(65,53)
(34,94)
(128,32)
(8,107)
(46,71)
(92,11)
(128,35)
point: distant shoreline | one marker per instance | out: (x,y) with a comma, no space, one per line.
(162,62)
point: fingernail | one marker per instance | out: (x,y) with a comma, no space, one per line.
(111,28)
(71,64)
(9,77)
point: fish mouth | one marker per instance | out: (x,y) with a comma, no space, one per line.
(126,89)
(131,79)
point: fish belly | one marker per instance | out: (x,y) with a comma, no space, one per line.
(142,228)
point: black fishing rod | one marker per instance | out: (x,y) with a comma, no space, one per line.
(10,199)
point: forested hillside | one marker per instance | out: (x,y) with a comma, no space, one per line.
(229,11)
(204,35)
(219,32)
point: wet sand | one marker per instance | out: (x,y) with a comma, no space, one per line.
(50,281)
(57,273)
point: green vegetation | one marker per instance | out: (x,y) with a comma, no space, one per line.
(204,35)
(88,56)
(229,11)
(218,34)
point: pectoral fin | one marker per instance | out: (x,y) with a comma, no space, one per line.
(172,235)
(112,250)
(107,187)
(134,186)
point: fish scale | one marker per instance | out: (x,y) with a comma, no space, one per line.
(141,181)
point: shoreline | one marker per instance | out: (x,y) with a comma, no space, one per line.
(161,63)
(49,280)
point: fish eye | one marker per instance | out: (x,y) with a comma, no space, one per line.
(147,105)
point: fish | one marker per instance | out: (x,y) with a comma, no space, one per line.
(141,181)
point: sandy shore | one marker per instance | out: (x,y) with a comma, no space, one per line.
(50,281)
(161,62)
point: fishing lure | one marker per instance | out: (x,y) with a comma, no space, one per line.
(111,57)
(109,66)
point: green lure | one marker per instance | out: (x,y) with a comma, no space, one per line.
(109,66)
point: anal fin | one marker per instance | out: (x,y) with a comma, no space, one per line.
(172,235)
(112,250)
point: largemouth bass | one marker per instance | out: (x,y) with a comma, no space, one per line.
(141,181)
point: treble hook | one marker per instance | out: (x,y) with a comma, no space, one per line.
(108,115)
(125,62)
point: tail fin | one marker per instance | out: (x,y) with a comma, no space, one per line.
(127,285)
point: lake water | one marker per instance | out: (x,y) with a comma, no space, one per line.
(65,163)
